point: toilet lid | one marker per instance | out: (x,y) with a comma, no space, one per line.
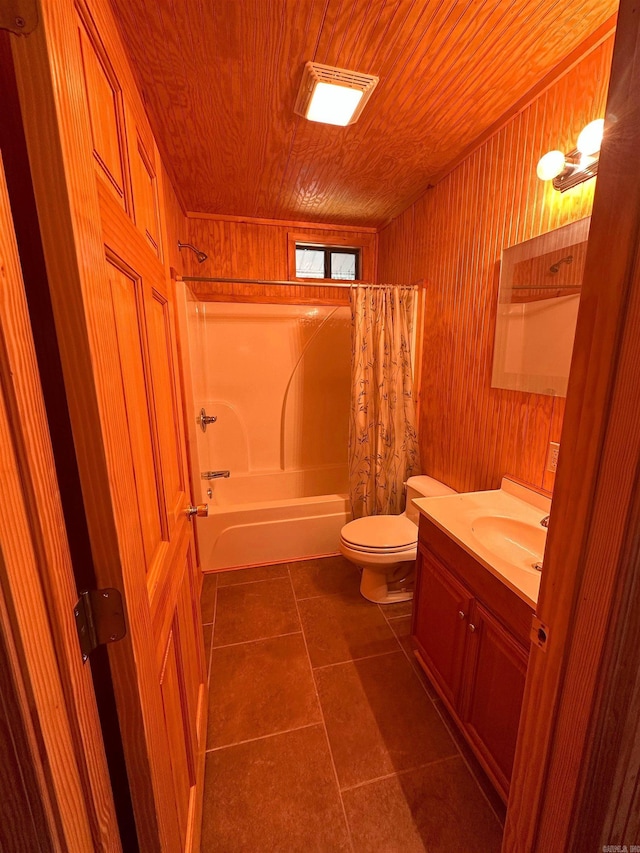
(380,532)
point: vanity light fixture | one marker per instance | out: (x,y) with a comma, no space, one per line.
(569,170)
(333,95)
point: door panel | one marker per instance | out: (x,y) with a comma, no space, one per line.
(172,701)
(440,621)
(497,668)
(126,296)
(163,368)
(115,332)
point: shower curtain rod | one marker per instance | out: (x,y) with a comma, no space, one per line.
(321,282)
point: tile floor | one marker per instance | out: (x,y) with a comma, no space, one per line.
(323,733)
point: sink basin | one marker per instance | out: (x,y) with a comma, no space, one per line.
(517,542)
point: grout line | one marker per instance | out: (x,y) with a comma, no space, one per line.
(421,677)
(324,726)
(397,773)
(246,583)
(263,737)
(212,623)
(255,640)
(447,724)
(356,660)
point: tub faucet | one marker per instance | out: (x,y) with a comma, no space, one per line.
(545,521)
(215,475)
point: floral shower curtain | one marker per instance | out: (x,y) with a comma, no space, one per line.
(383,444)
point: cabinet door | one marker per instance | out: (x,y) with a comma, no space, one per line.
(495,672)
(440,620)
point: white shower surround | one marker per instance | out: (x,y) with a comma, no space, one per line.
(278,429)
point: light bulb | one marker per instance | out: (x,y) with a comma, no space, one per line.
(550,165)
(590,139)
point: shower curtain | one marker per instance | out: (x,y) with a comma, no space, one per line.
(383,444)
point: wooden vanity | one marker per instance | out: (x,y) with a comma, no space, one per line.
(471,635)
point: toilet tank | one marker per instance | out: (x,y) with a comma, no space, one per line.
(423,487)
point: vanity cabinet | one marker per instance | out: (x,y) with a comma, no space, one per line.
(471,634)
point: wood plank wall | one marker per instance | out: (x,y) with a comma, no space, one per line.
(470,434)
(259,249)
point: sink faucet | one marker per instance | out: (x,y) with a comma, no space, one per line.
(545,521)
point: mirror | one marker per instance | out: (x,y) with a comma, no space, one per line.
(538,298)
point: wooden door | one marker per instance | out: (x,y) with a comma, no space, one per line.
(494,678)
(440,619)
(97,180)
(55,791)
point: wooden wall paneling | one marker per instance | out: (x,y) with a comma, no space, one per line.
(575,778)
(470,434)
(258,250)
(54,689)
(174,222)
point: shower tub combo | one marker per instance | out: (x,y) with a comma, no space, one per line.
(277,380)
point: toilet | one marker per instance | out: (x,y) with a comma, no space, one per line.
(385,546)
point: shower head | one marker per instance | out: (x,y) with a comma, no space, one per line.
(201,256)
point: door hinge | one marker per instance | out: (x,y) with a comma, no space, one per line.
(18,16)
(99,619)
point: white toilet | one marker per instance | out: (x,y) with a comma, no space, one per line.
(385,546)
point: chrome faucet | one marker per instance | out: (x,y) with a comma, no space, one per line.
(545,521)
(215,475)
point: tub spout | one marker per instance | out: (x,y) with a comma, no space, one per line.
(215,475)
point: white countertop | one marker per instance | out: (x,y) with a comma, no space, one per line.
(499,528)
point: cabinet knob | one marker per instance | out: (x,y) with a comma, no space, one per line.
(472,627)
(462,615)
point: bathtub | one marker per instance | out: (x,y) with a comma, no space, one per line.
(272,518)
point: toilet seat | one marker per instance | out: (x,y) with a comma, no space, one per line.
(380,534)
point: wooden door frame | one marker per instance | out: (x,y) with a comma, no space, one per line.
(61,759)
(574,785)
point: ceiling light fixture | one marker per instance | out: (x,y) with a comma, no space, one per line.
(333,95)
(569,170)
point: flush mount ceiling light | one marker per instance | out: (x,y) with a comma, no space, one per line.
(333,95)
(569,170)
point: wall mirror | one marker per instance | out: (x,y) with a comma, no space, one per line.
(538,298)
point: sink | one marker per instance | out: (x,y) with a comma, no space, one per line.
(500,528)
(517,542)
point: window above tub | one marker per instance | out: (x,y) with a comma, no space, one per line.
(334,262)
(331,256)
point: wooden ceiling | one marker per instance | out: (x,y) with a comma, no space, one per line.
(220,78)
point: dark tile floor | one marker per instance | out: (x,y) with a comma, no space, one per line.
(323,733)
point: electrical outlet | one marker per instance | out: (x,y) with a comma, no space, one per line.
(552,456)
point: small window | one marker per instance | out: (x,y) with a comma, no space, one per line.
(327,262)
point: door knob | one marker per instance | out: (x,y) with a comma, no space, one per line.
(200,511)
(462,614)
(472,627)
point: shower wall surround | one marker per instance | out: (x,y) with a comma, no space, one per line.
(453,236)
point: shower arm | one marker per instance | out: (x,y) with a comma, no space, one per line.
(201,256)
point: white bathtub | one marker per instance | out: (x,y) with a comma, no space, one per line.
(244,528)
